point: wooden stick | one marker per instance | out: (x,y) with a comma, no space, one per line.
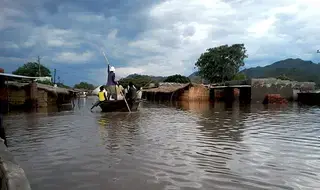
(116,89)
(125,101)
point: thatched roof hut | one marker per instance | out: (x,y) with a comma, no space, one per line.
(48,88)
(166,91)
(167,87)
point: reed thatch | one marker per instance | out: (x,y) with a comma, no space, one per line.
(48,88)
(167,87)
(55,90)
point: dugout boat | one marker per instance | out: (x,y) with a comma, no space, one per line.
(119,106)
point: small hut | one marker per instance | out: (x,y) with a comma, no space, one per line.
(196,92)
(166,92)
(21,94)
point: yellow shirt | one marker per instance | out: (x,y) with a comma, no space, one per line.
(101,96)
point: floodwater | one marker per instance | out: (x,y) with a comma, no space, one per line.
(186,146)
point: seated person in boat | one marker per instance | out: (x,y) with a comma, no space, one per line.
(120,91)
(102,97)
(132,92)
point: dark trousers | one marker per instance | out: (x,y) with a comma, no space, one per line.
(96,104)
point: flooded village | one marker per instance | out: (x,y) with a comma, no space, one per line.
(28,95)
(32,95)
(159,95)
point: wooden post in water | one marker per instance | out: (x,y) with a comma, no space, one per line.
(229,94)
(33,94)
(211,94)
(245,95)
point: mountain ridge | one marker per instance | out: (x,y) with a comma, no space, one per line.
(295,69)
(292,68)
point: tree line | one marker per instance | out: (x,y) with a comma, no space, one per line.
(34,69)
(216,64)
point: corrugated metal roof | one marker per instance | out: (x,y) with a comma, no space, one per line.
(43,87)
(18,76)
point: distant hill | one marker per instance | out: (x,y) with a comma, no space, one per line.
(154,78)
(295,69)
(195,74)
(195,78)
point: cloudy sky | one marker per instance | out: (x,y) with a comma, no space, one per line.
(152,37)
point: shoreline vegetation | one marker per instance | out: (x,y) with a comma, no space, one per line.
(215,65)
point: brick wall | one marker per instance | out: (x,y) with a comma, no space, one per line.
(261,87)
(42,97)
(17,96)
(196,93)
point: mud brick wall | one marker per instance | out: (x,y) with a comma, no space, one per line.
(42,97)
(17,96)
(196,93)
(261,87)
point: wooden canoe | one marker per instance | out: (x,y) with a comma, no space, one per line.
(119,106)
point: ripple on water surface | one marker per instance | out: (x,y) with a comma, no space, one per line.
(187,146)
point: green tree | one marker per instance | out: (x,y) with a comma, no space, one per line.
(239,76)
(31,69)
(47,82)
(137,80)
(61,85)
(221,63)
(177,79)
(84,85)
(284,77)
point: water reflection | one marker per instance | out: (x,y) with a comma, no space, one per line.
(189,145)
(118,130)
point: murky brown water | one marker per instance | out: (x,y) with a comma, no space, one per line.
(192,146)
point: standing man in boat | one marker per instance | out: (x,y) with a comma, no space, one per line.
(111,83)
(102,97)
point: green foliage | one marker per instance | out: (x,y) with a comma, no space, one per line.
(197,79)
(293,69)
(283,77)
(153,78)
(137,80)
(239,76)
(47,82)
(31,69)
(61,85)
(84,85)
(221,63)
(177,79)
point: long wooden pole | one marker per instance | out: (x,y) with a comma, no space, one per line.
(120,92)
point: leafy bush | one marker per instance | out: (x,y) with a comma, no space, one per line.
(177,79)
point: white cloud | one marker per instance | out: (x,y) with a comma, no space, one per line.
(175,32)
(60,38)
(86,17)
(100,75)
(112,34)
(52,37)
(182,30)
(72,57)
(7,13)
(11,45)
